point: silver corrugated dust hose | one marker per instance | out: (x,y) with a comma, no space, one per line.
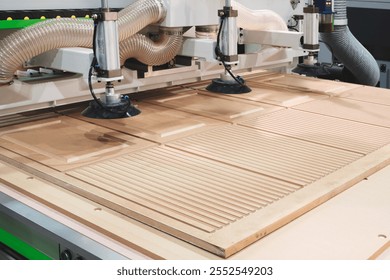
(24,44)
(152,53)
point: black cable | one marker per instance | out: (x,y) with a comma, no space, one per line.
(94,65)
(219,54)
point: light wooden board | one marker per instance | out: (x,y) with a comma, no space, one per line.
(63,143)
(308,84)
(215,107)
(349,109)
(368,94)
(156,123)
(317,128)
(220,189)
(272,96)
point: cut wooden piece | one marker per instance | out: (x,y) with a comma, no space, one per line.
(63,142)
(368,94)
(156,123)
(291,160)
(339,133)
(270,95)
(110,223)
(212,107)
(308,84)
(344,108)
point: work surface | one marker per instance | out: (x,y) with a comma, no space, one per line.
(204,175)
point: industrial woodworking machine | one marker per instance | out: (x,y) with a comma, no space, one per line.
(85,71)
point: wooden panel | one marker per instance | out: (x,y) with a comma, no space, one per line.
(212,107)
(296,161)
(264,93)
(368,94)
(307,84)
(343,134)
(189,189)
(269,95)
(343,108)
(156,123)
(221,189)
(224,241)
(63,142)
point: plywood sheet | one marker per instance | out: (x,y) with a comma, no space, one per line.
(64,143)
(156,123)
(330,131)
(344,108)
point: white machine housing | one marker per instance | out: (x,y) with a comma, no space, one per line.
(277,50)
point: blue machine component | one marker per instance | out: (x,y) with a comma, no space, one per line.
(324,6)
(326,12)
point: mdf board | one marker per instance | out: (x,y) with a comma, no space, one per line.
(261,92)
(349,109)
(220,189)
(215,107)
(326,130)
(63,143)
(155,123)
(308,84)
(368,94)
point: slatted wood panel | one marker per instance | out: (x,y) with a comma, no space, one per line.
(335,132)
(277,156)
(62,142)
(344,108)
(189,189)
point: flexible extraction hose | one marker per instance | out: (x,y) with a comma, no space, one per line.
(24,44)
(149,52)
(349,50)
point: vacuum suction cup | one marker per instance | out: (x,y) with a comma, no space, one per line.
(228,87)
(124,109)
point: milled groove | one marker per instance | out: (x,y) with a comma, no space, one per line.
(325,130)
(197,191)
(281,157)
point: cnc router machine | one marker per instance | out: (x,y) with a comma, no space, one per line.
(178,129)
